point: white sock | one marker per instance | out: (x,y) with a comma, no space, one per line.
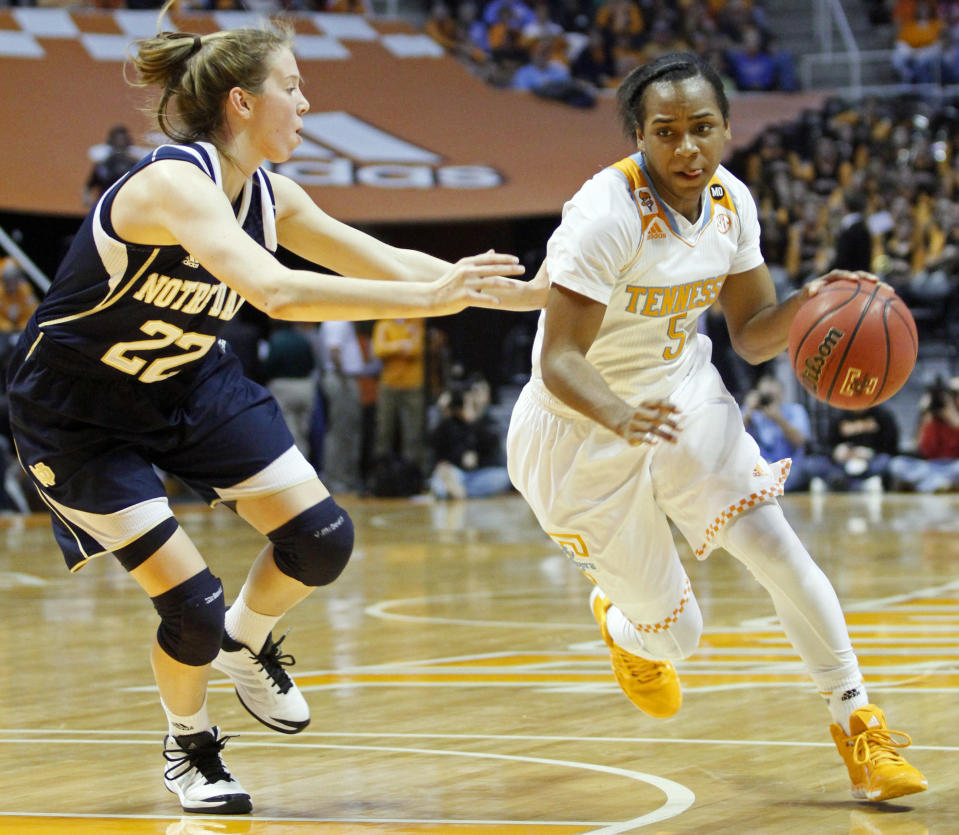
(246,626)
(843,694)
(183,725)
(624,634)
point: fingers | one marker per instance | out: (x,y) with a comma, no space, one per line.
(500,262)
(482,297)
(651,421)
(817,284)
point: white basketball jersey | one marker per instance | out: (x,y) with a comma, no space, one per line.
(621,245)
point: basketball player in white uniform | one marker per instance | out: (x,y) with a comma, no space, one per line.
(626,424)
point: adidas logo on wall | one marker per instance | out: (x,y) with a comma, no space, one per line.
(340,149)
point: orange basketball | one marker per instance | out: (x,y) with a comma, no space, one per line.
(853,344)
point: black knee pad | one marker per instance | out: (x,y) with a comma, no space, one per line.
(191,619)
(315,546)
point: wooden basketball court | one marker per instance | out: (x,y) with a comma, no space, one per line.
(459,685)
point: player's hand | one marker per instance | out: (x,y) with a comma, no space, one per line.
(516,295)
(649,422)
(476,280)
(810,289)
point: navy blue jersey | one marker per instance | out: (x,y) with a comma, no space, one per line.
(147,312)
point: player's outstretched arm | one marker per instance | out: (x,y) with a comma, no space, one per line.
(172,202)
(308,231)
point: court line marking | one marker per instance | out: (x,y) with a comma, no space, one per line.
(678,797)
(238,738)
(381,611)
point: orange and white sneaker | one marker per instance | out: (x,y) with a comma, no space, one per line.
(877,770)
(653,686)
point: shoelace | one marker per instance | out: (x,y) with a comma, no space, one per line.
(273,661)
(640,669)
(204,758)
(878,745)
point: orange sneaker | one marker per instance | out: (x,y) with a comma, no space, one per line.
(653,686)
(877,770)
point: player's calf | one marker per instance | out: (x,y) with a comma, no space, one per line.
(313,548)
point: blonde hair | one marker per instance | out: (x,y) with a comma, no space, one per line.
(196,72)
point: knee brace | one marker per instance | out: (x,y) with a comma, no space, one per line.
(191,619)
(315,546)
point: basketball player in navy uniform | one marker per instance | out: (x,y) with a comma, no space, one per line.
(121,370)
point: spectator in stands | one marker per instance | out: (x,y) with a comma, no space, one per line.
(550,78)
(343,365)
(369,383)
(734,17)
(542,71)
(17,299)
(753,68)
(663,40)
(594,63)
(575,16)
(400,344)
(935,467)
(620,20)
(117,161)
(860,445)
(542,26)
(854,243)
(456,35)
(916,53)
(507,50)
(472,32)
(780,427)
(949,44)
(289,369)
(467,451)
(517,14)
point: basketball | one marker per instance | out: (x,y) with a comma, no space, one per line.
(853,344)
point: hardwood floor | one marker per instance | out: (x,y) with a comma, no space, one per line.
(459,685)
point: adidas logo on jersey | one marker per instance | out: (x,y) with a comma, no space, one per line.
(189,262)
(655,232)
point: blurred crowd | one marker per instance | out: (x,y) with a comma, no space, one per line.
(569,50)
(871,185)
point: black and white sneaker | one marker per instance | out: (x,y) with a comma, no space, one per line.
(262,684)
(198,777)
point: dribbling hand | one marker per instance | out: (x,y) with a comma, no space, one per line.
(811,288)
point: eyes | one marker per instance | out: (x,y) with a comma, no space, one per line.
(699,129)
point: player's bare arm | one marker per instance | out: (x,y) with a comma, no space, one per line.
(304,228)
(173,202)
(758,325)
(572,322)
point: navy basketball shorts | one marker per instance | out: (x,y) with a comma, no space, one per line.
(92,442)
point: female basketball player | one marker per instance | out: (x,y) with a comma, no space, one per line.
(626,424)
(120,370)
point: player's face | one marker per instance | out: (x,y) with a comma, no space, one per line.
(682,138)
(280,108)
